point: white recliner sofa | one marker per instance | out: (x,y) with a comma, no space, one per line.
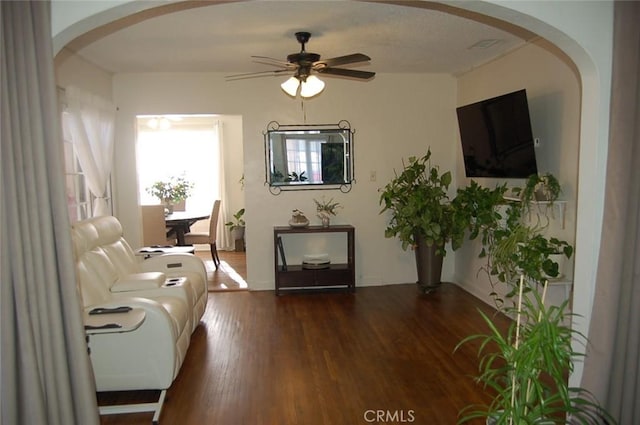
(171,289)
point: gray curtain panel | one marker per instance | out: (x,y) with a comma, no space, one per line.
(612,366)
(45,371)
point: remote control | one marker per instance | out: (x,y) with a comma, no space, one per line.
(105,326)
(105,310)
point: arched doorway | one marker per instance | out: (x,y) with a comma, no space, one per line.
(575,39)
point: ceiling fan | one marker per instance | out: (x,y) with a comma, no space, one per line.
(304,64)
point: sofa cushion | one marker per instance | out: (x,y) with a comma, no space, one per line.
(178,311)
(96,275)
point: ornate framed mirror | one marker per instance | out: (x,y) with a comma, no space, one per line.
(315,156)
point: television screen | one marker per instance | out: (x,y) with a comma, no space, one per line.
(496,136)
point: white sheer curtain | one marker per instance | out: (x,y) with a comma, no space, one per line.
(223,237)
(89,121)
(45,372)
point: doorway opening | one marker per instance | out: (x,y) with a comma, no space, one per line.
(205,150)
(171,146)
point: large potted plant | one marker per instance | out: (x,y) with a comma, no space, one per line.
(420,215)
(527,365)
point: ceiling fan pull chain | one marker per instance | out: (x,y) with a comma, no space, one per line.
(304,111)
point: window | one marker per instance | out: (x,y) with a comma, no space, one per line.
(79,198)
(304,156)
(184,146)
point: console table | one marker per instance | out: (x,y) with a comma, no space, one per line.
(295,277)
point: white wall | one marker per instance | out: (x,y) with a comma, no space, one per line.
(394,117)
(553,91)
(73,70)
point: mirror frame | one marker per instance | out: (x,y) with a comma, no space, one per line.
(343,128)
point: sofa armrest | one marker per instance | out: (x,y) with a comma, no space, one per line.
(139,281)
(146,358)
(174,264)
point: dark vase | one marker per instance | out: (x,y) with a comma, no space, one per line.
(429,265)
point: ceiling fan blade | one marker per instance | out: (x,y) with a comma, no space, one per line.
(288,67)
(343,60)
(271,61)
(352,73)
(255,74)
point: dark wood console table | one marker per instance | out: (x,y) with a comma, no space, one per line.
(295,277)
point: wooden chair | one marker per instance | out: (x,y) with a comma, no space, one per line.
(154,227)
(208,238)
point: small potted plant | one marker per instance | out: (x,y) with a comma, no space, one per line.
(172,191)
(237,225)
(538,188)
(326,209)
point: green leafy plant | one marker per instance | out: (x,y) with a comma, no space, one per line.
(510,245)
(278,177)
(526,367)
(419,205)
(326,208)
(238,220)
(539,187)
(513,248)
(295,177)
(523,250)
(475,212)
(171,191)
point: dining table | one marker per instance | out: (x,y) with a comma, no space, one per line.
(179,223)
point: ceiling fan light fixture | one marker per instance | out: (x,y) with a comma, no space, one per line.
(290,86)
(312,86)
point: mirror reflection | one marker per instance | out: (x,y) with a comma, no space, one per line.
(309,156)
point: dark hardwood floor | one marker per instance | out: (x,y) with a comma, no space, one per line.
(324,358)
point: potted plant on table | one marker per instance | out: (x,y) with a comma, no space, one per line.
(172,191)
(420,215)
(326,209)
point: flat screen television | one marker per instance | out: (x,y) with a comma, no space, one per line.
(496,136)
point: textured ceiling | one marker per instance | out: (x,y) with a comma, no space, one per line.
(406,37)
